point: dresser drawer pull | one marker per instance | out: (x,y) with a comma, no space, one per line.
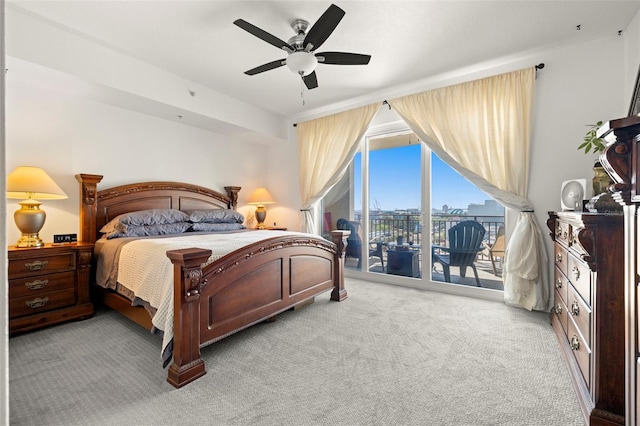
(559,283)
(575,309)
(576,272)
(559,257)
(37,265)
(558,309)
(37,284)
(37,302)
(575,343)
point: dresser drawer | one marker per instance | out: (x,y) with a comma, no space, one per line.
(581,314)
(562,233)
(560,283)
(574,242)
(45,302)
(560,311)
(580,349)
(45,264)
(560,258)
(579,275)
(38,285)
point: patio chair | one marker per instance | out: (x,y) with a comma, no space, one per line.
(465,242)
(354,242)
(497,249)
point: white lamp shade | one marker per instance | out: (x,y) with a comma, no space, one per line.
(32,182)
(260,197)
(302,62)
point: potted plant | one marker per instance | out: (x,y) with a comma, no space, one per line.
(591,140)
(592,143)
(602,200)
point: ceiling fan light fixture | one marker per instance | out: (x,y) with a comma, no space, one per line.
(302,63)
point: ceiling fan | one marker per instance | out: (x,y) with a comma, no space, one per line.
(301,48)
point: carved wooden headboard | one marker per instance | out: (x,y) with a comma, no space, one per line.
(98,207)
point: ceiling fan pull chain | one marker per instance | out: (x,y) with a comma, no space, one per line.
(302,90)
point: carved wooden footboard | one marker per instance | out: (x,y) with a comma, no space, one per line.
(238,290)
(244,288)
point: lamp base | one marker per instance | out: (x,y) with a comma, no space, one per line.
(261,215)
(29,220)
(29,240)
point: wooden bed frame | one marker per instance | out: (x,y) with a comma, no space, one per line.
(243,288)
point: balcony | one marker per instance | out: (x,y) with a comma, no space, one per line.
(388,227)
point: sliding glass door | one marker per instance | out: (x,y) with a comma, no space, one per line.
(401,202)
(395,205)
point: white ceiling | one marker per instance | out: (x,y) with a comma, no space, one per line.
(408,40)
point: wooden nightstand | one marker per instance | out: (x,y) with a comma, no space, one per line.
(48,285)
(275,228)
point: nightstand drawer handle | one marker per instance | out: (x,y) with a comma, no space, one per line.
(559,283)
(37,284)
(575,309)
(37,302)
(558,309)
(37,265)
(559,257)
(575,343)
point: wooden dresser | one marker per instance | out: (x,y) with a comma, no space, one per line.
(48,285)
(588,316)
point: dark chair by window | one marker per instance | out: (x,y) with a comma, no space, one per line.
(465,241)
(354,242)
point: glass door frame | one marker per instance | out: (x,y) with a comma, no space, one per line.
(388,130)
(424,282)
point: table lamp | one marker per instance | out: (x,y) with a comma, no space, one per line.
(259,198)
(27,183)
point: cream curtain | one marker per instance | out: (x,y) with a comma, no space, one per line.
(482,129)
(325,148)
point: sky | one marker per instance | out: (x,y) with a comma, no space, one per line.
(395,181)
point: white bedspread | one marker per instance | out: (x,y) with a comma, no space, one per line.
(145,269)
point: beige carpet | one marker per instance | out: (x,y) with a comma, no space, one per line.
(385,356)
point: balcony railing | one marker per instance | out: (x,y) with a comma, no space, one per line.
(387,227)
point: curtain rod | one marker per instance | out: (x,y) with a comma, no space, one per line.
(385,102)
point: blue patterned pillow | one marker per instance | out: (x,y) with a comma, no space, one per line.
(215,216)
(217,227)
(148,230)
(144,217)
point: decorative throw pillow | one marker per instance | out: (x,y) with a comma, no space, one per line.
(215,216)
(217,227)
(148,230)
(145,217)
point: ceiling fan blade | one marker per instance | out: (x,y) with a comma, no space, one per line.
(266,67)
(311,81)
(343,58)
(323,27)
(263,35)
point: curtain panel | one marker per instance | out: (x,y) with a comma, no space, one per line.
(482,129)
(326,146)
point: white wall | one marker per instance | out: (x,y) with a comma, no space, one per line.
(67,136)
(580,85)
(631,59)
